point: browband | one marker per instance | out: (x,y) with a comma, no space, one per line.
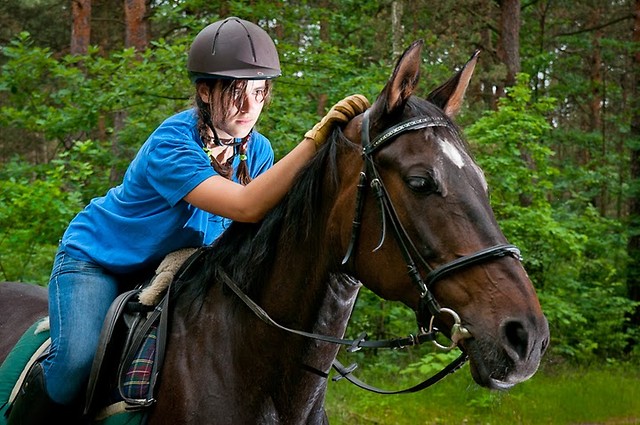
(408,125)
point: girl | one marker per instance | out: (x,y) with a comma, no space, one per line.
(198,171)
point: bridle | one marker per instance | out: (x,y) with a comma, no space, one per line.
(370,175)
(428,303)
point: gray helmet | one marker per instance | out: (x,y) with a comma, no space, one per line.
(233,48)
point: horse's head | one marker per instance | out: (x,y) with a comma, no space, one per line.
(426,207)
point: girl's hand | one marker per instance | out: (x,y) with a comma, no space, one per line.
(340,113)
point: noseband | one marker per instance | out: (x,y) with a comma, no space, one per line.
(370,174)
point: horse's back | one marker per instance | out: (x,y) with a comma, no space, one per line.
(21,304)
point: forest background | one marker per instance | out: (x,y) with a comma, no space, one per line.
(552,116)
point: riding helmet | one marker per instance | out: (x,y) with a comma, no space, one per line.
(233,48)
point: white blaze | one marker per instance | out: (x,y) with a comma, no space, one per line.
(456,157)
(451,152)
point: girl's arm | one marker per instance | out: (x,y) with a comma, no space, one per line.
(250,203)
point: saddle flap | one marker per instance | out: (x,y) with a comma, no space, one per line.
(107,344)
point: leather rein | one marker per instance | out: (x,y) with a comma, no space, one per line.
(428,303)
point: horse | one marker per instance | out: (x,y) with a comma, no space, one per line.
(393,201)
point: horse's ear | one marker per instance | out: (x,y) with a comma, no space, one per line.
(402,83)
(449,96)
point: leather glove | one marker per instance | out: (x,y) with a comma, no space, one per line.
(340,113)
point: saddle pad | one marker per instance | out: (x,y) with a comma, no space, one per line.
(136,385)
(17,360)
(138,377)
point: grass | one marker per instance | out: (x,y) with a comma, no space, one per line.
(555,395)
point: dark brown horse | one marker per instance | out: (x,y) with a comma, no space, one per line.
(424,234)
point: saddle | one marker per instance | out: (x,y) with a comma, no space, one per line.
(132,344)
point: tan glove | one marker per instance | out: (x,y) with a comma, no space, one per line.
(340,113)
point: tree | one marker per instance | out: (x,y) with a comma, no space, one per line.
(81,26)
(633,271)
(397,28)
(509,40)
(136,31)
(136,37)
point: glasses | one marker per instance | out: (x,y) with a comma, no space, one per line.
(258,94)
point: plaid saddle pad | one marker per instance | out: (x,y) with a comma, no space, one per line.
(137,379)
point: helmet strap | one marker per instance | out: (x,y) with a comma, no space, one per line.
(216,139)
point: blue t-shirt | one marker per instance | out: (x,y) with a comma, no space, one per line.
(138,222)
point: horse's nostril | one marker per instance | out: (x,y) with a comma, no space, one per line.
(517,337)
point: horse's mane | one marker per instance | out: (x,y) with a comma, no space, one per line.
(246,251)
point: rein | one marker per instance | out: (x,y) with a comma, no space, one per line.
(355,345)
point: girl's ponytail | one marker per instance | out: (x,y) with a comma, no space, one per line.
(243,170)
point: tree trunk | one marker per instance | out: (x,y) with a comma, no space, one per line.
(488,87)
(596,123)
(80,41)
(509,44)
(633,247)
(509,53)
(322,97)
(540,78)
(397,29)
(137,34)
(81,26)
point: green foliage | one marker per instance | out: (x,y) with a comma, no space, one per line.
(574,256)
(36,204)
(511,149)
(431,363)
(64,100)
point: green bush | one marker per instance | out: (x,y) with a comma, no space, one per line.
(575,257)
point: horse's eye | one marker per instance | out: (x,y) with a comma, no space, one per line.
(421,184)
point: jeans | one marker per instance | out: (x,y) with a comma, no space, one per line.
(80,294)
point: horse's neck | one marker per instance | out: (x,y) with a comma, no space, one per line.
(334,308)
(273,373)
(321,306)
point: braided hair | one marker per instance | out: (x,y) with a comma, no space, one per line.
(221,100)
